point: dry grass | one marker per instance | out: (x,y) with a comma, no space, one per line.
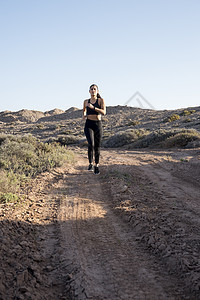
(23,157)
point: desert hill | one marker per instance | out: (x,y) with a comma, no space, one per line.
(25,115)
(123,125)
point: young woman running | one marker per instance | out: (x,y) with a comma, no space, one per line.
(93,109)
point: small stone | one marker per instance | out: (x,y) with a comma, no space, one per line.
(166,230)
(138,228)
(69,277)
(48,268)
(17,248)
(23,289)
(20,297)
(20,279)
(162,247)
(24,244)
(124,189)
(37,257)
(38,277)
(151,241)
(4,248)
(2,286)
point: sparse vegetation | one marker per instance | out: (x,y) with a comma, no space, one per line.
(40,126)
(125,137)
(8,197)
(68,140)
(187,120)
(172,118)
(158,138)
(133,123)
(184,160)
(187,112)
(118,126)
(182,138)
(23,157)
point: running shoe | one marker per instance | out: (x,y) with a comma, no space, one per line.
(90,167)
(96,170)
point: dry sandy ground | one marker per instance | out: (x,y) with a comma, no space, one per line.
(130,233)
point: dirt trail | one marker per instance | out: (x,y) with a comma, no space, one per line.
(130,233)
(105,261)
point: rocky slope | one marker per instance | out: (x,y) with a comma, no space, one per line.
(67,127)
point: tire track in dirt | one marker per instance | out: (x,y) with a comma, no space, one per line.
(101,254)
(161,204)
(129,233)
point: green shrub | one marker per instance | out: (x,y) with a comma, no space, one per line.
(181,139)
(9,181)
(8,197)
(184,160)
(173,118)
(187,112)
(187,120)
(23,157)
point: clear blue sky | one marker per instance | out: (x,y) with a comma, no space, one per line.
(52,50)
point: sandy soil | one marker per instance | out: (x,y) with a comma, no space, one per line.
(130,233)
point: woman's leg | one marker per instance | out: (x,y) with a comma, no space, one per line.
(97,141)
(90,138)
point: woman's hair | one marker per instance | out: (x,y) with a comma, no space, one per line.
(98,95)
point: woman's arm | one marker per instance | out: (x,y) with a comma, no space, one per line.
(84,109)
(101,110)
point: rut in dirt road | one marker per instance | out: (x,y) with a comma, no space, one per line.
(99,251)
(130,233)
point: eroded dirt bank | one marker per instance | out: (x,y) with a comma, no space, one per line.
(130,233)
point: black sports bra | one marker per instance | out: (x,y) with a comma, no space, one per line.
(92,111)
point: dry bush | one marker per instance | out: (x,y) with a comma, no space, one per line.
(188,120)
(22,157)
(167,138)
(153,139)
(172,118)
(187,112)
(125,137)
(9,182)
(8,197)
(68,140)
(182,138)
(133,123)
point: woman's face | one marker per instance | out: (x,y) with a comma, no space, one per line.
(93,90)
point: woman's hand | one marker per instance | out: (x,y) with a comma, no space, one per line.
(90,105)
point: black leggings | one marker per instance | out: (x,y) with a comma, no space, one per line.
(93,132)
